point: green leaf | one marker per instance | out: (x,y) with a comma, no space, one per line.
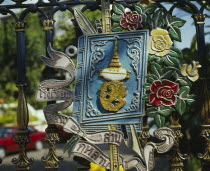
(157,16)
(145,98)
(175,33)
(151,78)
(191,99)
(161,24)
(144,20)
(156,69)
(147,86)
(184,92)
(159,121)
(168,19)
(152,112)
(171,61)
(177,22)
(116,18)
(150,22)
(176,75)
(138,8)
(150,8)
(184,82)
(188,81)
(175,52)
(167,73)
(158,59)
(173,24)
(166,110)
(151,57)
(117,28)
(118,8)
(180,106)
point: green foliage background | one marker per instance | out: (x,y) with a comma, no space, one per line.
(34,65)
(35,68)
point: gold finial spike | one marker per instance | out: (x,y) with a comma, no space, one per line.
(115,62)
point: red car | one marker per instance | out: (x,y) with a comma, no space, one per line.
(7,143)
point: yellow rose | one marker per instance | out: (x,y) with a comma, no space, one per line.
(160,42)
(191,71)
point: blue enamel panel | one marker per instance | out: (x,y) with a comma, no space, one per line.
(95,52)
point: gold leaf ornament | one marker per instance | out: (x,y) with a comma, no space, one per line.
(191,70)
(112,95)
(160,42)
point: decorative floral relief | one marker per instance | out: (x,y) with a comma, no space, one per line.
(169,79)
(163,93)
(90,111)
(134,103)
(131,20)
(133,40)
(97,54)
(191,70)
(134,52)
(160,42)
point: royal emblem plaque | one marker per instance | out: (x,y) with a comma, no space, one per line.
(110,76)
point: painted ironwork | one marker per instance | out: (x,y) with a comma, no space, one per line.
(22,134)
(176,159)
(51,160)
(187,70)
(97,56)
(87,149)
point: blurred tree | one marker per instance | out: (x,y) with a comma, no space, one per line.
(8,88)
(68,32)
(34,65)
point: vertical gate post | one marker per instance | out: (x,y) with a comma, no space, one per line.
(51,160)
(177,158)
(199,20)
(22,134)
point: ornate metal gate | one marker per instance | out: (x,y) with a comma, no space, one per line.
(166,90)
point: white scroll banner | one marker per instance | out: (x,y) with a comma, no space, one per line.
(70,125)
(93,154)
(52,89)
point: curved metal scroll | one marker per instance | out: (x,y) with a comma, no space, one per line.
(53,89)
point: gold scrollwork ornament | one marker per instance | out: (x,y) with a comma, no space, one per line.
(22,162)
(112,95)
(51,159)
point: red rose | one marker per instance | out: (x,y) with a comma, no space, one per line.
(163,93)
(131,20)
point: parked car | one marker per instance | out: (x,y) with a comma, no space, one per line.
(8,145)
